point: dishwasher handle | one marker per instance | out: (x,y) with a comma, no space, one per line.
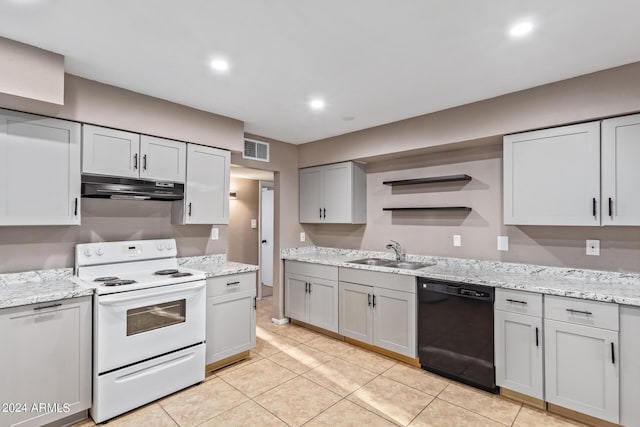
(461,290)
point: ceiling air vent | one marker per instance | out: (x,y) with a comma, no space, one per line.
(256,150)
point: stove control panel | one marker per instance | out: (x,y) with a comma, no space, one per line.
(110,252)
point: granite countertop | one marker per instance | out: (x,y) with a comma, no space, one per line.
(32,287)
(621,288)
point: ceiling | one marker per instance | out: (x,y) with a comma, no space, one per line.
(372,61)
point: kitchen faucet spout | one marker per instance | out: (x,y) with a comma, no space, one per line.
(401,256)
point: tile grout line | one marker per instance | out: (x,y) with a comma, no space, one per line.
(477,413)
(168,414)
(517,415)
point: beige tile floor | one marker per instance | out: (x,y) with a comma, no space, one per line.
(297,377)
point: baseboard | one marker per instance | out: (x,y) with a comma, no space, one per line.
(282,321)
(523,398)
(318,329)
(392,354)
(579,416)
(226,361)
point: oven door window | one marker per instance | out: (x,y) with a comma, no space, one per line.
(155,316)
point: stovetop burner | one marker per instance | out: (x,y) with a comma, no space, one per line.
(166,272)
(105,279)
(119,282)
(181,274)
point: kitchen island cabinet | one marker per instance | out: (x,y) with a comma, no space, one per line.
(45,362)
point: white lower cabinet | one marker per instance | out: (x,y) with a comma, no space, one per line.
(518,338)
(45,362)
(309,298)
(582,356)
(629,366)
(379,309)
(231,315)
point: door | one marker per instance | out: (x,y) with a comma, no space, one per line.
(552,176)
(39,170)
(231,325)
(295,297)
(323,304)
(45,359)
(148,322)
(110,152)
(311,194)
(620,172)
(162,159)
(207,188)
(519,354)
(394,321)
(356,315)
(581,366)
(266,237)
(337,193)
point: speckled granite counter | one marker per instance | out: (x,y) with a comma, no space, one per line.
(622,288)
(41,286)
(216,265)
(31,287)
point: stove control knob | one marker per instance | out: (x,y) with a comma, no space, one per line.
(169,246)
(87,252)
(160,247)
(99,252)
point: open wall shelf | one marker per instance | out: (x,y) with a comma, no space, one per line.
(429,180)
(431,208)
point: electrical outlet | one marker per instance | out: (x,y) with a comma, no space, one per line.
(215,233)
(303,236)
(503,243)
(457,240)
(593,247)
(254,223)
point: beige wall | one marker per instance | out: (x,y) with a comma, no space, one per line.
(606,93)
(243,245)
(31,73)
(284,162)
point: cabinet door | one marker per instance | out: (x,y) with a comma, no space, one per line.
(323,304)
(582,369)
(110,152)
(310,182)
(45,358)
(231,325)
(337,193)
(394,321)
(207,188)
(39,170)
(518,353)
(356,315)
(295,297)
(552,176)
(629,366)
(162,159)
(620,171)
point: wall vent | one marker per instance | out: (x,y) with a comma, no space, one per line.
(256,150)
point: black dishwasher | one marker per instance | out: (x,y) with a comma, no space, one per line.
(455,331)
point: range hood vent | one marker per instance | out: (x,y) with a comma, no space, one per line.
(130,189)
(256,150)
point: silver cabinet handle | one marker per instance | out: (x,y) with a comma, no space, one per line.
(42,307)
(572,311)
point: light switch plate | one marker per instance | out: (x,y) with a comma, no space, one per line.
(303,236)
(593,247)
(503,243)
(457,240)
(254,223)
(215,233)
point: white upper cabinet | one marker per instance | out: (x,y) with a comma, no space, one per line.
(620,170)
(335,193)
(206,199)
(552,176)
(162,159)
(125,154)
(110,152)
(39,170)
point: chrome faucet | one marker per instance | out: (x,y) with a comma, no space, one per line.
(401,256)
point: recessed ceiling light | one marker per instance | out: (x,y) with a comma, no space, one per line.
(521,29)
(219,65)
(317,104)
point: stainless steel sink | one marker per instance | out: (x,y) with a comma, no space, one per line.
(379,262)
(372,261)
(409,265)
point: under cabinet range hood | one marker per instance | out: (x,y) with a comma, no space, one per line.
(130,189)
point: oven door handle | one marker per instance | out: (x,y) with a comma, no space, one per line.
(122,298)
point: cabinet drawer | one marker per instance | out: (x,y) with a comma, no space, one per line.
(224,285)
(328,272)
(393,281)
(529,303)
(582,312)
